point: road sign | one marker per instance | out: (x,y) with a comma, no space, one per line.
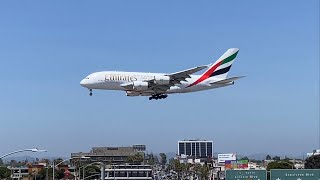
(246,175)
(295,174)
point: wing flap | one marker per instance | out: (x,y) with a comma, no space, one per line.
(228,80)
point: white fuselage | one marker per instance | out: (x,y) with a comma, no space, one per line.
(114,80)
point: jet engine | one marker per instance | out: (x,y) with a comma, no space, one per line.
(161,80)
(140,86)
(131,93)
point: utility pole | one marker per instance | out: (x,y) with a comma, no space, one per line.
(53,170)
(47,169)
(102,169)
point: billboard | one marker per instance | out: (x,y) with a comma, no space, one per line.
(226,157)
(240,164)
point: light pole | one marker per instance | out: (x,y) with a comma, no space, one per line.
(54,166)
(83,167)
(22,150)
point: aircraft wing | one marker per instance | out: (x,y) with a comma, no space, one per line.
(175,78)
(228,80)
(183,75)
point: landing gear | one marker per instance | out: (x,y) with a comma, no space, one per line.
(158,96)
(90,94)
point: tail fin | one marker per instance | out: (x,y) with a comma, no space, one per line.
(222,66)
(219,69)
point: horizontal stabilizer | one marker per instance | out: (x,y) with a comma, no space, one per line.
(228,80)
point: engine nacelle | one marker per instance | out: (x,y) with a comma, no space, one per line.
(131,93)
(140,86)
(162,80)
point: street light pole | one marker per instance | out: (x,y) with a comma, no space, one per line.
(54,166)
(84,167)
(23,150)
(53,169)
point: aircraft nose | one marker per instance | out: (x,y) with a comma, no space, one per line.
(83,82)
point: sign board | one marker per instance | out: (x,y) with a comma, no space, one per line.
(240,164)
(295,174)
(226,157)
(246,175)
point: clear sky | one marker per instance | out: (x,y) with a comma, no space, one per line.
(47,48)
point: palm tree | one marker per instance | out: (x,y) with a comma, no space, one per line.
(204,172)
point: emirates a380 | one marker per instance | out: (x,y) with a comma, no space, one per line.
(159,85)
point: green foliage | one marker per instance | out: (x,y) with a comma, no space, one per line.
(163,159)
(312,162)
(280,165)
(268,157)
(91,170)
(152,159)
(245,158)
(176,165)
(202,171)
(4,172)
(136,159)
(276,158)
(43,174)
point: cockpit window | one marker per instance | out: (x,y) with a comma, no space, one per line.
(87,77)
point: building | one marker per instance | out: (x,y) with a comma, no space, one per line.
(315,152)
(139,147)
(195,148)
(136,172)
(108,155)
(21,173)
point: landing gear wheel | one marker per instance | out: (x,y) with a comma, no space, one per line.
(158,96)
(90,94)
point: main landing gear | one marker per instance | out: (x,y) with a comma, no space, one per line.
(158,96)
(90,94)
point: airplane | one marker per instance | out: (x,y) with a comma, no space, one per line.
(159,85)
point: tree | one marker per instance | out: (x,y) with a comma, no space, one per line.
(156,160)
(276,158)
(13,163)
(185,169)
(268,157)
(1,162)
(58,174)
(245,158)
(280,165)
(57,161)
(91,170)
(163,159)
(312,162)
(204,172)
(136,159)
(4,172)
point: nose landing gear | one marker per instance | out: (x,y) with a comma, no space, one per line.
(158,96)
(90,94)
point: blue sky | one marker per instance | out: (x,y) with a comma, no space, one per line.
(46,48)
